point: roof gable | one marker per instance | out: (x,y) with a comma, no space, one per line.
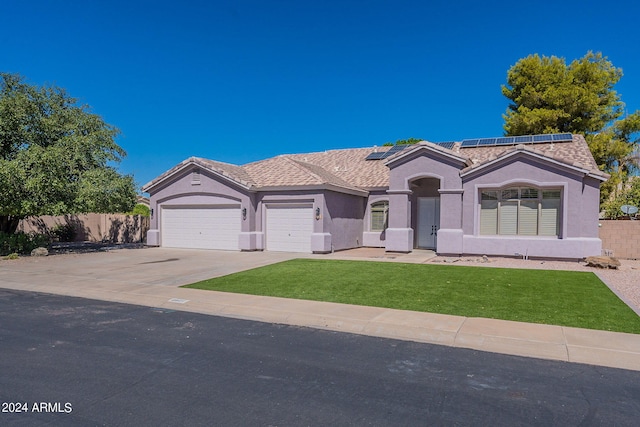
(226,171)
(547,157)
(429,147)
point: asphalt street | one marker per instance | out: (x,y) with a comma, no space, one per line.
(76,362)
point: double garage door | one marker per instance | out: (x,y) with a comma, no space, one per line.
(210,227)
(288,227)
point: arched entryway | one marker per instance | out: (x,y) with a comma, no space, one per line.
(425,212)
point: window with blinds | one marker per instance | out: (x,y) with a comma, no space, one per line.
(379,216)
(524,211)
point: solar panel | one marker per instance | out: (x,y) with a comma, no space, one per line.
(486,141)
(375,155)
(379,155)
(542,138)
(469,143)
(448,145)
(393,150)
(562,137)
(508,140)
(523,139)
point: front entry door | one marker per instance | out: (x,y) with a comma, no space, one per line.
(428,222)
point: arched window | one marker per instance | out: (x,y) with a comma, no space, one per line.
(524,211)
(379,216)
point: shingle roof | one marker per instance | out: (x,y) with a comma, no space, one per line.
(348,168)
(575,151)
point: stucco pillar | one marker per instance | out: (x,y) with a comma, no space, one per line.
(399,234)
(450,234)
(321,243)
(153,238)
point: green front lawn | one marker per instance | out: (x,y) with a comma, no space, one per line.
(565,298)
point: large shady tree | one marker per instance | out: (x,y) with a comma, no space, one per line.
(548,95)
(56,157)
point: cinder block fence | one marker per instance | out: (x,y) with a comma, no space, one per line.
(114,228)
(620,238)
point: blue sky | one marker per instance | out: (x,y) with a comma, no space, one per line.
(239,81)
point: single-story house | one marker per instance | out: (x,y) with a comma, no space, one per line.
(534,195)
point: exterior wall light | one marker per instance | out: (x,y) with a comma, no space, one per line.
(317,214)
(244,213)
(151,212)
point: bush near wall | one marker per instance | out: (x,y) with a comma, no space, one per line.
(620,238)
(21,243)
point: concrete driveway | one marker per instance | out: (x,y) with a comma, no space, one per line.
(141,266)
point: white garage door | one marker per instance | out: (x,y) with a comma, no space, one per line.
(289,228)
(212,227)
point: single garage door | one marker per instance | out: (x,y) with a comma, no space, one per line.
(211,227)
(289,228)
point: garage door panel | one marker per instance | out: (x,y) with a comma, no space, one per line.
(201,228)
(289,229)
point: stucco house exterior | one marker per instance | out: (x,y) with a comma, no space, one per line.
(535,195)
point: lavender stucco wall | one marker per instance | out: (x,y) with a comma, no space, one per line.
(344,219)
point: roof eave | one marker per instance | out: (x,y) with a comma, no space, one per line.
(314,187)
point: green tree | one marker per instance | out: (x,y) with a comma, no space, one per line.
(628,195)
(141,209)
(55,156)
(549,96)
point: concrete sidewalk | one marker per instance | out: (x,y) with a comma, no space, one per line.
(151,277)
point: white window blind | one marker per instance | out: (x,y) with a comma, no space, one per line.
(525,211)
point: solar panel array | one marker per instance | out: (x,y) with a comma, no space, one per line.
(379,155)
(514,140)
(448,145)
(482,142)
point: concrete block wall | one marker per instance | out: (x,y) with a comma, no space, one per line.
(620,238)
(114,228)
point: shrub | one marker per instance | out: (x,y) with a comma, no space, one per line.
(21,243)
(63,233)
(140,209)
